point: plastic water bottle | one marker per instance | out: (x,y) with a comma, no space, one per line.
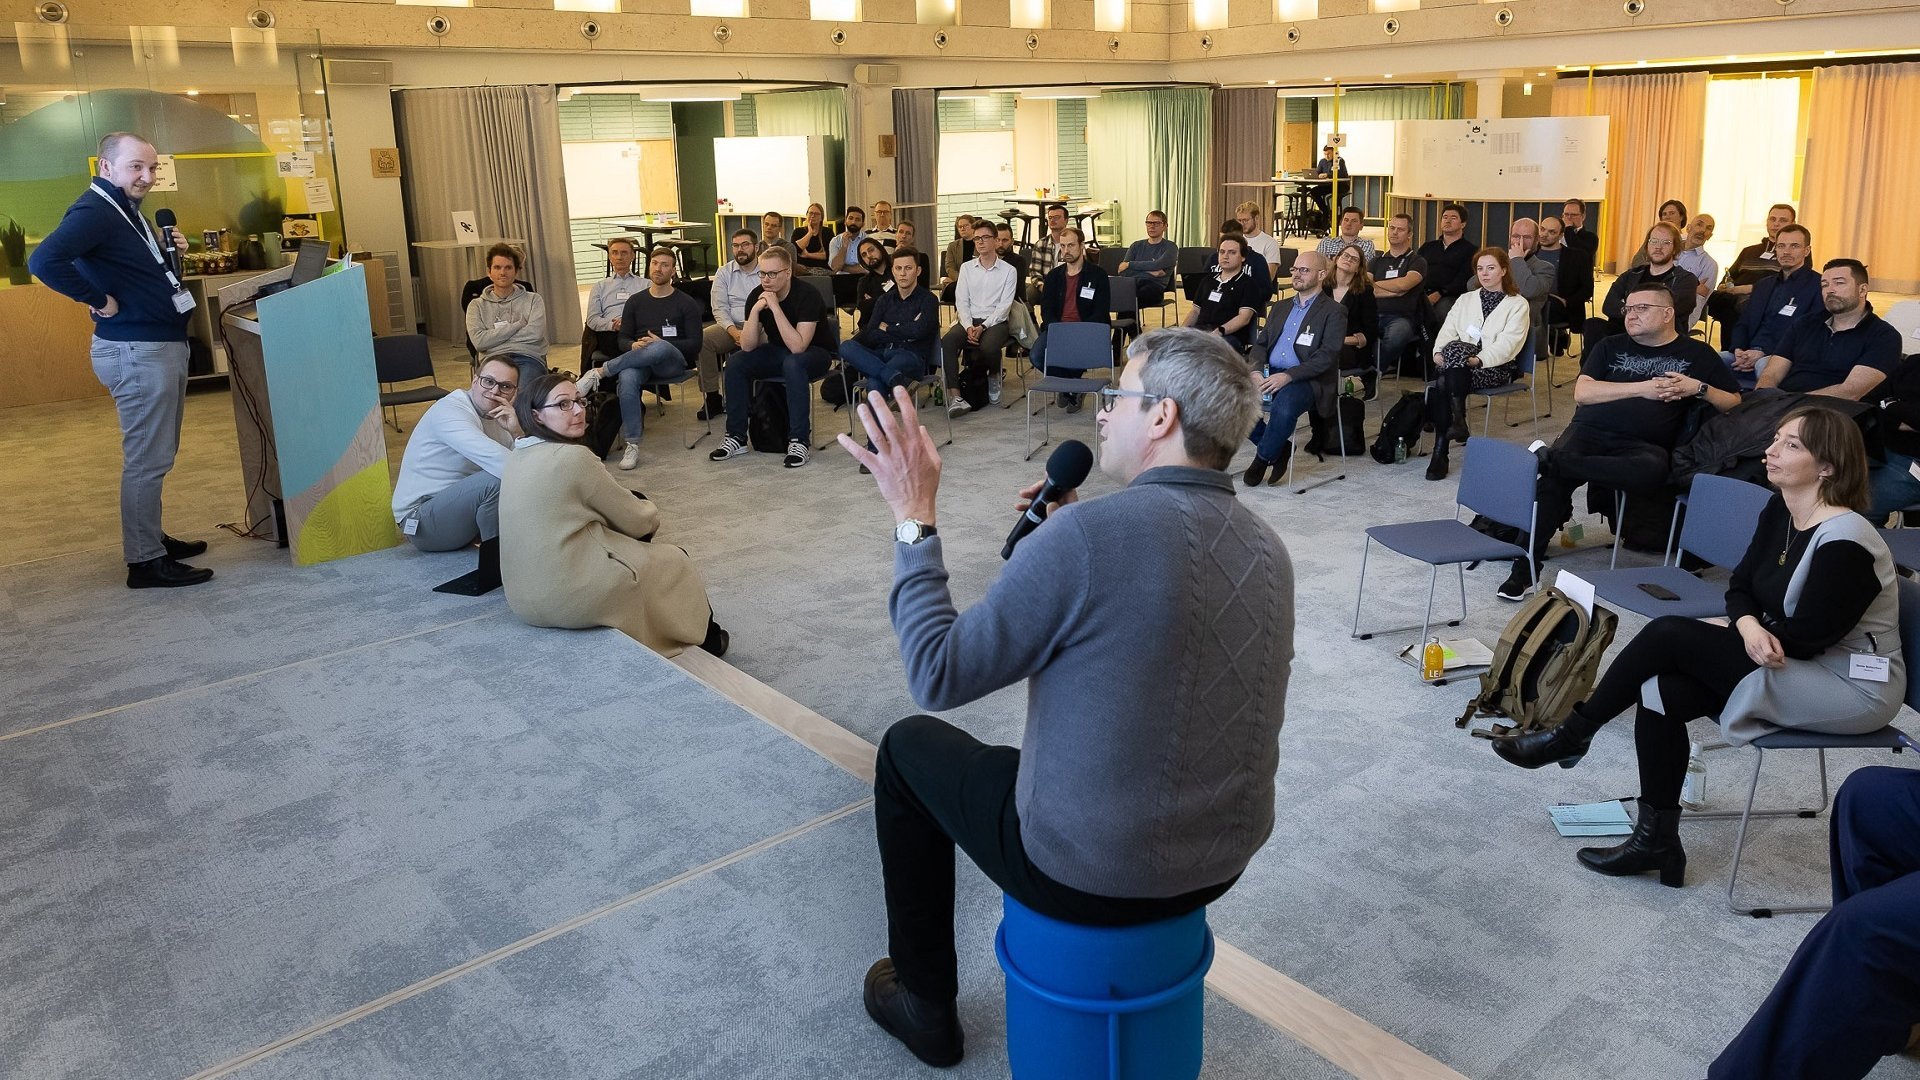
(1399,451)
(1693,790)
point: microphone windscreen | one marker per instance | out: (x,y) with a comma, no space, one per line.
(1068,466)
(164,218)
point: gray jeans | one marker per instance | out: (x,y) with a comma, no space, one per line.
(148,381)
(459,514)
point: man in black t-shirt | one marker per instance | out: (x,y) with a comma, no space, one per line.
(1229,303)
(789,335)
(1632,397)
(1398,273)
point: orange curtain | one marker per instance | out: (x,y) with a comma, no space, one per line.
(1653,149)
(1857,196)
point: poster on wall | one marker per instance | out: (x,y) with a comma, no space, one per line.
(319,196)
(164,177)
(298,163)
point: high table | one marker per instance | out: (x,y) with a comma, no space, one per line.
(1065,202)
(648,230)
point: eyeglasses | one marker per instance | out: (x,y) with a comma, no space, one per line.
(1111,394)
(569,404)
(488,382)
(1642,309)
(776,273)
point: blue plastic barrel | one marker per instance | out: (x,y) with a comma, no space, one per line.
(1103,1003)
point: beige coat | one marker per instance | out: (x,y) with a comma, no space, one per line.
(571,554)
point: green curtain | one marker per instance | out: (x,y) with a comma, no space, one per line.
(1152,155)
(811,112)
(1436,102)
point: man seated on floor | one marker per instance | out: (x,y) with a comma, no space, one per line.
(1297,358)
(659,339)
(789,335)
(895,345)
(1248,215)
(1397,273)
(1755,263)
(607,299)
(981,300)
(1532,275)
(448,492)
(732,284)
(1663,243)
(1778,303)
(1151,262)
(1229,303)
(1352,219)
(1848,354)
(1631,400)
(1096,612)
(1693,258)
(1449,259)
(1076,290)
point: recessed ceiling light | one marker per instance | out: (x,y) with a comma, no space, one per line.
(1326,78)
(1269,82)
(193,93)
(1830,52)
(1733,59)
(1539,74)
(1639,63)
(1388,75)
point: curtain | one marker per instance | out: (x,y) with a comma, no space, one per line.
(1242,150)
(494,150)
(1658,125)
(1439,101)
(1858,190)
(1153,156)
(812,112)
(916,160)
(1749,155)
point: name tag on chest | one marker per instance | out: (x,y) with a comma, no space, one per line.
(1392,272)
(1305,340)
(669,331)
(1213,297)
(620,297)
(1086,292)
(1789,309)
(183,301)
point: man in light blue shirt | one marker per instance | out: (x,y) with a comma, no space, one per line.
(608,297)
(1695,260)
(731,285)
(843,255)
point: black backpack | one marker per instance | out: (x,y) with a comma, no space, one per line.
(1401,423)
(767,418)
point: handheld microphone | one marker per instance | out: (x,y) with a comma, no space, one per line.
(164,218)
(1067,469)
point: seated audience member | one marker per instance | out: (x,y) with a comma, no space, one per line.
(880,225)
(789,335)
(1693,258)
(1349,283)
(981,300)
(1777,303)
(1532,275)
(1755,263)
(732,284)
(607,299)
(578,545)
(448,492)
(1474,350)
(1397,275)
(1848,353)
(1003,247)
(1894,483)
(1045,253)
(811,240)
(507,318)
(1248,215)
(1257,266)
(659,338)
(1450,262)
(1330,167)
(1107,838)
(874,277)
(1151,262)
(959,250)
(1573,215)
(1815,592)
(1663,242)
(1572,282)
(1352,219)
(844,256)
(1228,304)
(896,341)
(1297,354)
(773,228)
(904,235)
(1674,213)
(1076,290)
(1631,400)
(1848,997)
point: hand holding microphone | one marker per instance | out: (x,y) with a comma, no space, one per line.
(172,241)
(1067,469)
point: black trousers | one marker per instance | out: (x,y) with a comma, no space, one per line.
(1697,664)
(936,787)
(1584,453)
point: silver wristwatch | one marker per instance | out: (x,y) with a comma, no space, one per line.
(912,531)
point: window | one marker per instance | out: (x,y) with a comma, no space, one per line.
(1029,14)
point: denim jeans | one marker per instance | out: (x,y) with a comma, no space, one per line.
(1893,487)
(773,361)
(1289,402)
(882,366)
(148,381)
(1397,332)
(653,362)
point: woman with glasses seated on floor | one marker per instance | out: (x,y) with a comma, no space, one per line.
(575,548)
(1814,643)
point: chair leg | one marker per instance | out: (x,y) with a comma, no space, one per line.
(1668,556)
(1366,546)
(1341,434)
(1426,619)
(1740,841)
(1619,526)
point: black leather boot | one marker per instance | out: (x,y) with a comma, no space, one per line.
(484,579)
(1437,463)
(1654,845)
(1564,745)
(1458,432)
(928,1028)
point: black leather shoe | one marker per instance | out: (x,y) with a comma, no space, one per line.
(930,1029)
(1654,845)
(183,549)
(1280,464)
(1563,746)
(165,572)
(1256,471)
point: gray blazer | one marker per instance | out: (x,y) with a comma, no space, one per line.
(1534,277)
(1319,363)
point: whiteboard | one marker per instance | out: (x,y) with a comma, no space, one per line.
(1544,158)
(1369,149)
(771,172)
(975,161)
(603,178)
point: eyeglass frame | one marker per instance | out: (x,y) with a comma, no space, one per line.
(1645,307)
(570,405)
(1110,395)
(494,385)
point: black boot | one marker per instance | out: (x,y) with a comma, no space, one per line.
(485,577)
(1564,745)
(1257,471)
(1280,464)
(1654,845)
(1458,432)
(1437,464)
(165,572)
(928,1028)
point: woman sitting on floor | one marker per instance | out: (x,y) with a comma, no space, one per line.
(1814,645)
(575,548)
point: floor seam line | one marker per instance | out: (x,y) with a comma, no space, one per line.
(231,679)
(488,959)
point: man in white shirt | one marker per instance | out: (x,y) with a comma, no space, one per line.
(981,300)
(608,297)
(1694,259)
(1351,221)
(731,284)
(448,492)
(1248,214)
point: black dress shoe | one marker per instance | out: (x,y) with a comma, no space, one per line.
(165,572)
(183,549)
(930,1029)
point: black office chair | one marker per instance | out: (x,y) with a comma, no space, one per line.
(402,358)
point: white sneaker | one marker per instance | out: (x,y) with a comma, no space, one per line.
(590,380)
(630,457)
(960,407)
(729,447)
(796,453)
(993,389)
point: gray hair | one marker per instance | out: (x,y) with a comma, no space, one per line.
(1209,383)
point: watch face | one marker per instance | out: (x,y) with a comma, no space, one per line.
(907,532)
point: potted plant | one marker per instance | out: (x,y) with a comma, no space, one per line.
(13,243)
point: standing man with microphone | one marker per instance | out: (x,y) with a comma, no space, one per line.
(1154,629)
(106,256)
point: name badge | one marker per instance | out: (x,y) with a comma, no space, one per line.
(888,287)
(412,526)
(499,324)
(669,330)
(1213,297)
(1789,309)
(1868,668)
(1767,255)
(1472,332)
(1305,339)
(620,297)
(1392,272)
(1086,292)
(183,301)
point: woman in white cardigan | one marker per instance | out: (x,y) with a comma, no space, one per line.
(1475,350)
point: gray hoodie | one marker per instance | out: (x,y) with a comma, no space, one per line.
(516,325)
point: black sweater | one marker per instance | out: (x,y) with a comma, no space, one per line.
(1901,403)
(1840,585)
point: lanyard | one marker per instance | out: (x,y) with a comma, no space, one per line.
(146,236)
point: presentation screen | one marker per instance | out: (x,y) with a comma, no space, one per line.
(1527,159)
